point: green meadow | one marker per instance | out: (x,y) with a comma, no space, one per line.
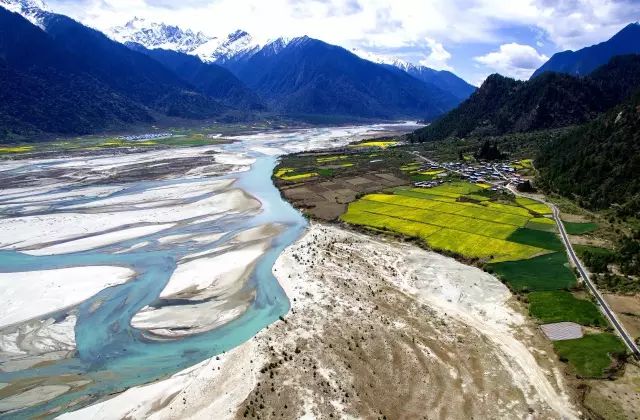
(573,228)
(559,306)
(541,273)
(591,355)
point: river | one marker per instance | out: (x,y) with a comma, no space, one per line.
(117,211)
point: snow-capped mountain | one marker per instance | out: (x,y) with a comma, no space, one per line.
(390,61)
(220,50)
(159,35)
(377,58)
(208,48)
(19,6)
(30,9)
(442,78)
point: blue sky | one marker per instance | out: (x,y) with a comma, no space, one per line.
(472,38)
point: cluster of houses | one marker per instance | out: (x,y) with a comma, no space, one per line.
(148,136)
(497,174)
(427,184)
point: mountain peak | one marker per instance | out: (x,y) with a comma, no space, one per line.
(20,6)
(236,35)
(237,43)
(631,28)
(30,9)
(158,35)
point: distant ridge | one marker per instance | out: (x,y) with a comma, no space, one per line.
(208,78)
(586,60)
(308,76)
(234,50)
(444,79)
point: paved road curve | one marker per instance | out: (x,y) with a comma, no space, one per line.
(604,306)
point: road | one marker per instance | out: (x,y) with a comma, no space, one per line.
(604,306)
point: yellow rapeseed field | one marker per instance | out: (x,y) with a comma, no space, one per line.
(471,229)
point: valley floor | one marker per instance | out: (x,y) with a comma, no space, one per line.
(377,328)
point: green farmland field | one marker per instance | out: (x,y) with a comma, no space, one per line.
(418,193)
(458,188)
(435,218)
(451,207)
(579,228)
(559,306)
(404,227)
(546,272)
(537,238)
(590,355)
(519,211)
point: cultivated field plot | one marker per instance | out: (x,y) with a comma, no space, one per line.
(591,355)
(533,205)
(322,183)
(557,306)
(542,273)
(328,199)
(574,228)
(451,218)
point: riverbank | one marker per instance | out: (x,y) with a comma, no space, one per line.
(368,312)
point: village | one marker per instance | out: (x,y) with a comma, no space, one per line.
(499,175)
(146,136)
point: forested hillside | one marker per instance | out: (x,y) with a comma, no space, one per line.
(129,72)
(45,89)
(70,79)
(598,164)
(552,100)
(210,79)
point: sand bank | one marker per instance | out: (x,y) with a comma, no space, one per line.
(217,385)
(98,241)
(54,289)
(29,231)
(160,194)
(205,292)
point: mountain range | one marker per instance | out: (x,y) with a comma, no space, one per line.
(442,78)
(142,72)
(239,47)
(147,71)
(586,60)
(563,92)
(552,100)
(308,76)
(239,53)
(71,79)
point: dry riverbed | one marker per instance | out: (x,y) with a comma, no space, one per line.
(377,328)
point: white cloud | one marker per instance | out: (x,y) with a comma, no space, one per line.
(388,23)
(574,24)
(438,57)
(513,60)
